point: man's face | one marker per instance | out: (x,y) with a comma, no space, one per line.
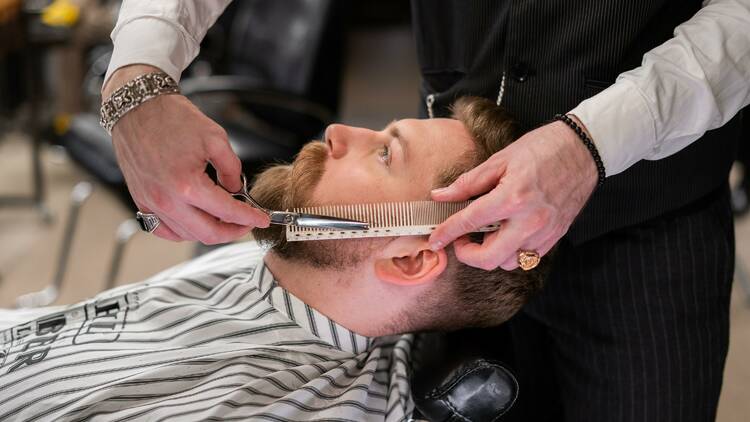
(399,163)
(402,162)
(354,165)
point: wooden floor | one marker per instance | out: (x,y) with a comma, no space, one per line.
(381,84)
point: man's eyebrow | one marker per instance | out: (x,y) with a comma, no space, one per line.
(393,130)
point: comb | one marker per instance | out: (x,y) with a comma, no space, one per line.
(385,218)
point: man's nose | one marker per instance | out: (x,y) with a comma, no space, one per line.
(336,140)
(342,139)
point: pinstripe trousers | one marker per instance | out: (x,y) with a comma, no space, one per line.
(632,326)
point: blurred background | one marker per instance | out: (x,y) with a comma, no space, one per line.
(66,227)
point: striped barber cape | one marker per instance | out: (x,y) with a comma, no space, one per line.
(215,338)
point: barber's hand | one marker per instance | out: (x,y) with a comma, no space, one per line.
(536,186)
(162,147)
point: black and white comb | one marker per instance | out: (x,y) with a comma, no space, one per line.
(385,219)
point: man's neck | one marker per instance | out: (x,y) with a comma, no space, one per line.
(355,300)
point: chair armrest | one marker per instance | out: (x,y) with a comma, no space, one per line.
(252,90)
(454,381)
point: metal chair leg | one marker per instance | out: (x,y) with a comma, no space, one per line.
(49,294)
(125,231)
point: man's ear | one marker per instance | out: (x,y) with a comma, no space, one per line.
(409,261)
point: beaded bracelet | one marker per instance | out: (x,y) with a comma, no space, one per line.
(589,145)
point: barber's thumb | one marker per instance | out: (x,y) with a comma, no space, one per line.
(477,181)
(456,191)
(226,163)
(229,173)
(231,181)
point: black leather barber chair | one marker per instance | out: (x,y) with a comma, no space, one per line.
(460,377)
(280,77)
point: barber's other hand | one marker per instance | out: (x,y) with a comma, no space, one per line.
(163,147)
(536,187)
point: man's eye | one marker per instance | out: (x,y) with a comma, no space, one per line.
(385,154)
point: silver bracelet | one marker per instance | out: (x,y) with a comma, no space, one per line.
(133,94)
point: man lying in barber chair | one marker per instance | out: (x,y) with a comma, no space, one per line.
(305,330)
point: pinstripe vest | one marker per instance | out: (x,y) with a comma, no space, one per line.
(555,54)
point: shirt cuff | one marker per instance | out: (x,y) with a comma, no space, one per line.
(151,41)
(620,124)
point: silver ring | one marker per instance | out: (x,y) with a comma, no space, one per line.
(148,222)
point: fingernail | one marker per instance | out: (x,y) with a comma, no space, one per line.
(439,190)
(436,246)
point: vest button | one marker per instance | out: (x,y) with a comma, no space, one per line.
(520,71)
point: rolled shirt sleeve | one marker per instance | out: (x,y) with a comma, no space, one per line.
(695,82)
(164,33)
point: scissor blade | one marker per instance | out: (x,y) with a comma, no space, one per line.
(325,222)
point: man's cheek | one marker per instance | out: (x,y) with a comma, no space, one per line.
(355,185)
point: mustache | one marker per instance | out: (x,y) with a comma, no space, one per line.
(314,152)
(307,170)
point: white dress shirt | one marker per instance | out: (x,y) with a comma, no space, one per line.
(215,338)
(692,83)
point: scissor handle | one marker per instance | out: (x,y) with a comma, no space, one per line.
(244,195)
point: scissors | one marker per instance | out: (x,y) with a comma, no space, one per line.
(299,219)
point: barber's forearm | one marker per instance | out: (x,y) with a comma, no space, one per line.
(692,83)
(165,34)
